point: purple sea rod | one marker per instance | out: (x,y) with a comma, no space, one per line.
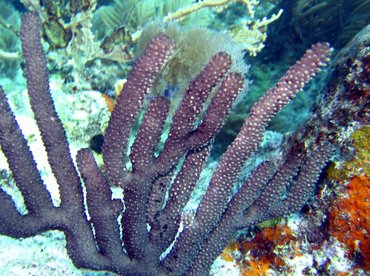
(129,246)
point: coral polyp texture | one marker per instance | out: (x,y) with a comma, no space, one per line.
(140,235)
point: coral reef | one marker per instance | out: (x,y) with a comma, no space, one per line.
(331,236)
(174,169)
(183,203)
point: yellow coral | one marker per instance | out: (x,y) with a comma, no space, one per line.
(360,163)
(220,5)
(361,142)
(250,33)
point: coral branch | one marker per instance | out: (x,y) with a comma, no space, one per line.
(52,131)
(246,143)
(102,210)
(129,103)
(20,160)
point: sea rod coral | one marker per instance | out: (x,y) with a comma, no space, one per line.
(116,236)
